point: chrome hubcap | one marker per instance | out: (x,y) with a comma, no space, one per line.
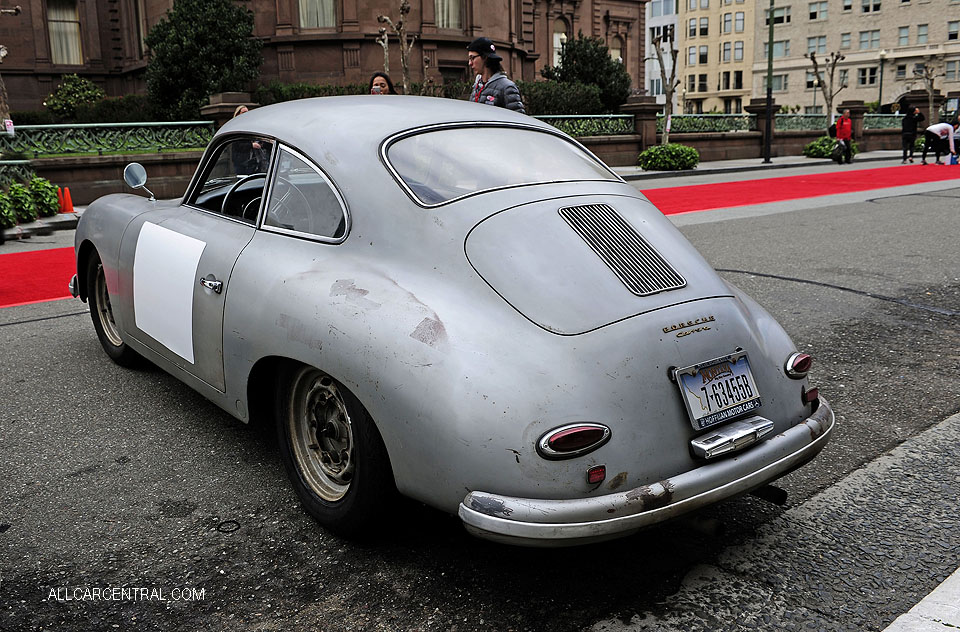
(104,311)
(321,435)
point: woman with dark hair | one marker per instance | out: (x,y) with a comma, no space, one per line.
(491,86)
(380,84)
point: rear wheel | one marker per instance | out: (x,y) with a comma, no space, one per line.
(101,312)
(332,452)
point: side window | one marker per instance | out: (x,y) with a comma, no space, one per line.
(302,200)
(235,177)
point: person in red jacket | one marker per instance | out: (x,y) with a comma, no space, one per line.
(845,135)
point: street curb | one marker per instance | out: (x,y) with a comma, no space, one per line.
(43,226)
(651,175)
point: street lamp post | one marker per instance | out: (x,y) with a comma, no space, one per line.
(563,46)
(683,100)
(816,88)
(883,58)
(768,137)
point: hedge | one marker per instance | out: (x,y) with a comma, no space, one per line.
(823,148)
(670,157)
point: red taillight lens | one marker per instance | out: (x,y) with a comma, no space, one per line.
(810,395)
(573,440)
(797,365)
(596,474)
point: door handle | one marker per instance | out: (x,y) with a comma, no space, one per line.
(212,284)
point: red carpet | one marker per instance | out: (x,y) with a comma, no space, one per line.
(36,276)
(703,197)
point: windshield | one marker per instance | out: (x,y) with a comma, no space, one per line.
(443,164)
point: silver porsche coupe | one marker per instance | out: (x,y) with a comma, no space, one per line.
(456,303)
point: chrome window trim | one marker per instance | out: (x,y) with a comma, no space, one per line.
(389,141)
(268,191)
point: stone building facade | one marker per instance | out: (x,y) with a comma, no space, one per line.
(316,41)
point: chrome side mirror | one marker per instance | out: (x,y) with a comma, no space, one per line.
(136,177)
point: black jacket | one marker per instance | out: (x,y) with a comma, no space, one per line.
(910,122)
(498,91)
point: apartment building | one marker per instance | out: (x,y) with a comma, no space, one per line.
(661,16)
(885,43)
(715,40)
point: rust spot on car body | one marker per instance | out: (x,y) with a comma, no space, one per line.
(652,496)
(490,506)
(430,332)
(297,331)
(617,480)
(352,294)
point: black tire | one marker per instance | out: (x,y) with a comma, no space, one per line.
(332,452)
(102,315)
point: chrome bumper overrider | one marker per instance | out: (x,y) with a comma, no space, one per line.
(536,522)
(74,287)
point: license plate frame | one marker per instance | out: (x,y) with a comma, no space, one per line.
(732,392)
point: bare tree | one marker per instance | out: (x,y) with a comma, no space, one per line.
(406,41)
(4,107)
(927,74)
(384,40)
(827,79)
(426,88)
(669,83)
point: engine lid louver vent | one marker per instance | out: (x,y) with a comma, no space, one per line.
(635,262)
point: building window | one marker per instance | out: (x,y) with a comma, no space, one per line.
(817,44)
(813,109)
(691,5)
(656,87)
(902,71)
(704,26)
(738,51)
(447,12)
(704,52)
(867,76)
(844,40)
(704,4)
(732,105)
(63,21)
(779,83)
(692,56)
(869,39)
(727,49)
(692,27)
(953,30)
(844,73)
(616,49)
(811,80)
(869,6)
(903,36)
(727,22)
(921,34)
(847,5)
(725,80)
(952,71)
(691,83)
(738,22)
(320,14)
(818,10)
(661,7)
(559,32)
(781,48)
(780,16)
(738,80)
(701,83)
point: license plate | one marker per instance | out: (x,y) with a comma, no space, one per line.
(718,390)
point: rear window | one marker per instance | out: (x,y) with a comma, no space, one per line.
(444,164)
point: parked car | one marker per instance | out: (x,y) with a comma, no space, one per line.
(457,303)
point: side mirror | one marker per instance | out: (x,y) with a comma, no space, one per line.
(136,177)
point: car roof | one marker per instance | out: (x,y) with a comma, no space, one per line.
(365,118)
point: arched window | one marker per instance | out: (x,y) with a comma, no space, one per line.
(559,39)
(616,48)
(63,22)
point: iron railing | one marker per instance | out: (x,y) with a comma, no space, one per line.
(97,138)
(591,124)
(708,123)
(804,122)
(882,121)
(14,171)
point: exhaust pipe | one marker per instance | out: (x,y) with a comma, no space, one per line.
(771,493)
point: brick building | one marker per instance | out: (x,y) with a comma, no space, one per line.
(316,41)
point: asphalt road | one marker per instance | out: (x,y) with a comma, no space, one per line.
(113,477)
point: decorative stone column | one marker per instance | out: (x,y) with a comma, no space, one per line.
(645,111)
(758,107)
(857,110)
(223,104)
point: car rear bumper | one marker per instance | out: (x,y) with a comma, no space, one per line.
(536,522)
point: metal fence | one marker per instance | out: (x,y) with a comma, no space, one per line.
(14,171)
(800,122)
(95,138)
(882,121)
(708,123)
(592,124)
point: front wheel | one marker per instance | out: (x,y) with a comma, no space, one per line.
(332,452)
(101,311)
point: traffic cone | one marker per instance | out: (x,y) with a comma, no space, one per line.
(67,202)
(60,198)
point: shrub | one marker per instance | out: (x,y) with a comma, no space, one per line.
(553,97)
(459,90)
(133,108)
(8,217)
(32,117)
(918,144)
(44,195)
(72,92)
(23,206)
(670,157)
(823,147)
(277,92)
(587,60)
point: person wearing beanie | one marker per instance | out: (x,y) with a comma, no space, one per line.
(491,86)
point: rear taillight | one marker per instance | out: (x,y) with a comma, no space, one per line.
(797,365)
(572,440)
(810,395)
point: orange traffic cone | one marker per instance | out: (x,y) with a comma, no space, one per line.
(67,202)
(60,198)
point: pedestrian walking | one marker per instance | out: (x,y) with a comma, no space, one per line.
(939,137)
(908,132)
(845,136)
(491,86)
